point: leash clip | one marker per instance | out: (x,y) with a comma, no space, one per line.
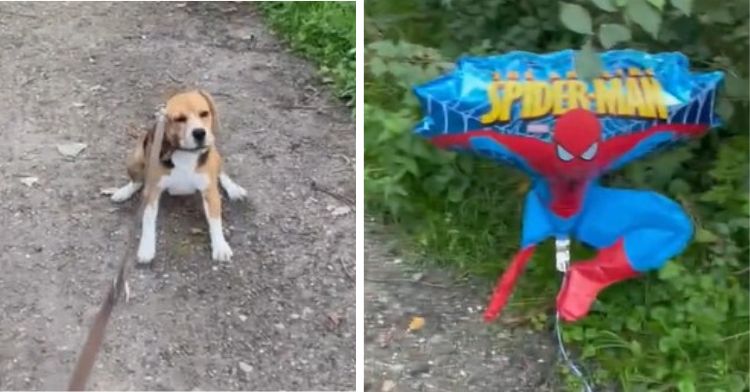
(125,293)
(562,254)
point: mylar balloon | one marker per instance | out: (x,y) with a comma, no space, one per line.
(534,113)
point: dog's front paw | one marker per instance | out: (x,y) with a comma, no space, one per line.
(121,195)
(221,251)
(126,192)
(236,192)
(146,252)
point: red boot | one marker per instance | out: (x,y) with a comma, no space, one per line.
(585,280)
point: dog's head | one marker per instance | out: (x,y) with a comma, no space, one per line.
(192,121)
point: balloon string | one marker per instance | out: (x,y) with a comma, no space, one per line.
(562,247)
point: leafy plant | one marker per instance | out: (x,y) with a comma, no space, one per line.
(684,328)
(323,31)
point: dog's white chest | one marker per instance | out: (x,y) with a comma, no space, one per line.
(183,179)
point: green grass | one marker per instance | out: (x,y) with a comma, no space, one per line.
(324,32)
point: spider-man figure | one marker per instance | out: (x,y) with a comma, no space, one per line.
(634,231)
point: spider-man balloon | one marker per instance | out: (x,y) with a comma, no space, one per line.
(565,133)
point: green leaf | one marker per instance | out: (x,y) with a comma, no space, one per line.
(704,236)
(686,386)
(587,62)
(670,271)
(719,15)
(612,34)
(666,344)
(377,67)
(606,5)
(725,108)
(679,186)
(645,16)
(736,87)
(658,3)
(635,348)
(575,18)
(683,5)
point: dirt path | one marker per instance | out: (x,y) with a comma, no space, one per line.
(281,315)
(455,350)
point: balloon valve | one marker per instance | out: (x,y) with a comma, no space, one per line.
(562,254)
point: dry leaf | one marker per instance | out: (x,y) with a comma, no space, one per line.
(416,324)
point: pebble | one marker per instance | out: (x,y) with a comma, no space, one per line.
(419,368)
(245,367)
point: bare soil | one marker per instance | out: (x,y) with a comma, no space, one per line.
(454,350)
(281,314)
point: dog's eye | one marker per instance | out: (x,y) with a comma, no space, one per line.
(203,114)
(180,119)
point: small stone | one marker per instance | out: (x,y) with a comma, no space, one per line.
(29,181)
(242,317)
(245,367)
(71,150)
(339,211)
(419,368)
(397,368)
(388,386)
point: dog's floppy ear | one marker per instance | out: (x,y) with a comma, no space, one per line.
(212,107)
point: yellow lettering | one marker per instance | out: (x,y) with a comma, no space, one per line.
(537,101)
(608,95)
(500,106)
(654,97)
(619,96)
(559,97)
(493,95)
(577,95)
(635,98)
(513,91)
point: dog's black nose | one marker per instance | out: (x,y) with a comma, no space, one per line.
(199,134)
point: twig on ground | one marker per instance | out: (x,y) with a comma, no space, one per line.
(346,270)
(314,185)
(13,13)
(308,107)
(422,282)
(174,79)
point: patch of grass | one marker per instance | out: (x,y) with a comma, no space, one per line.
(324,32)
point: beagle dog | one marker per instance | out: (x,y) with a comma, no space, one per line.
(189,162)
